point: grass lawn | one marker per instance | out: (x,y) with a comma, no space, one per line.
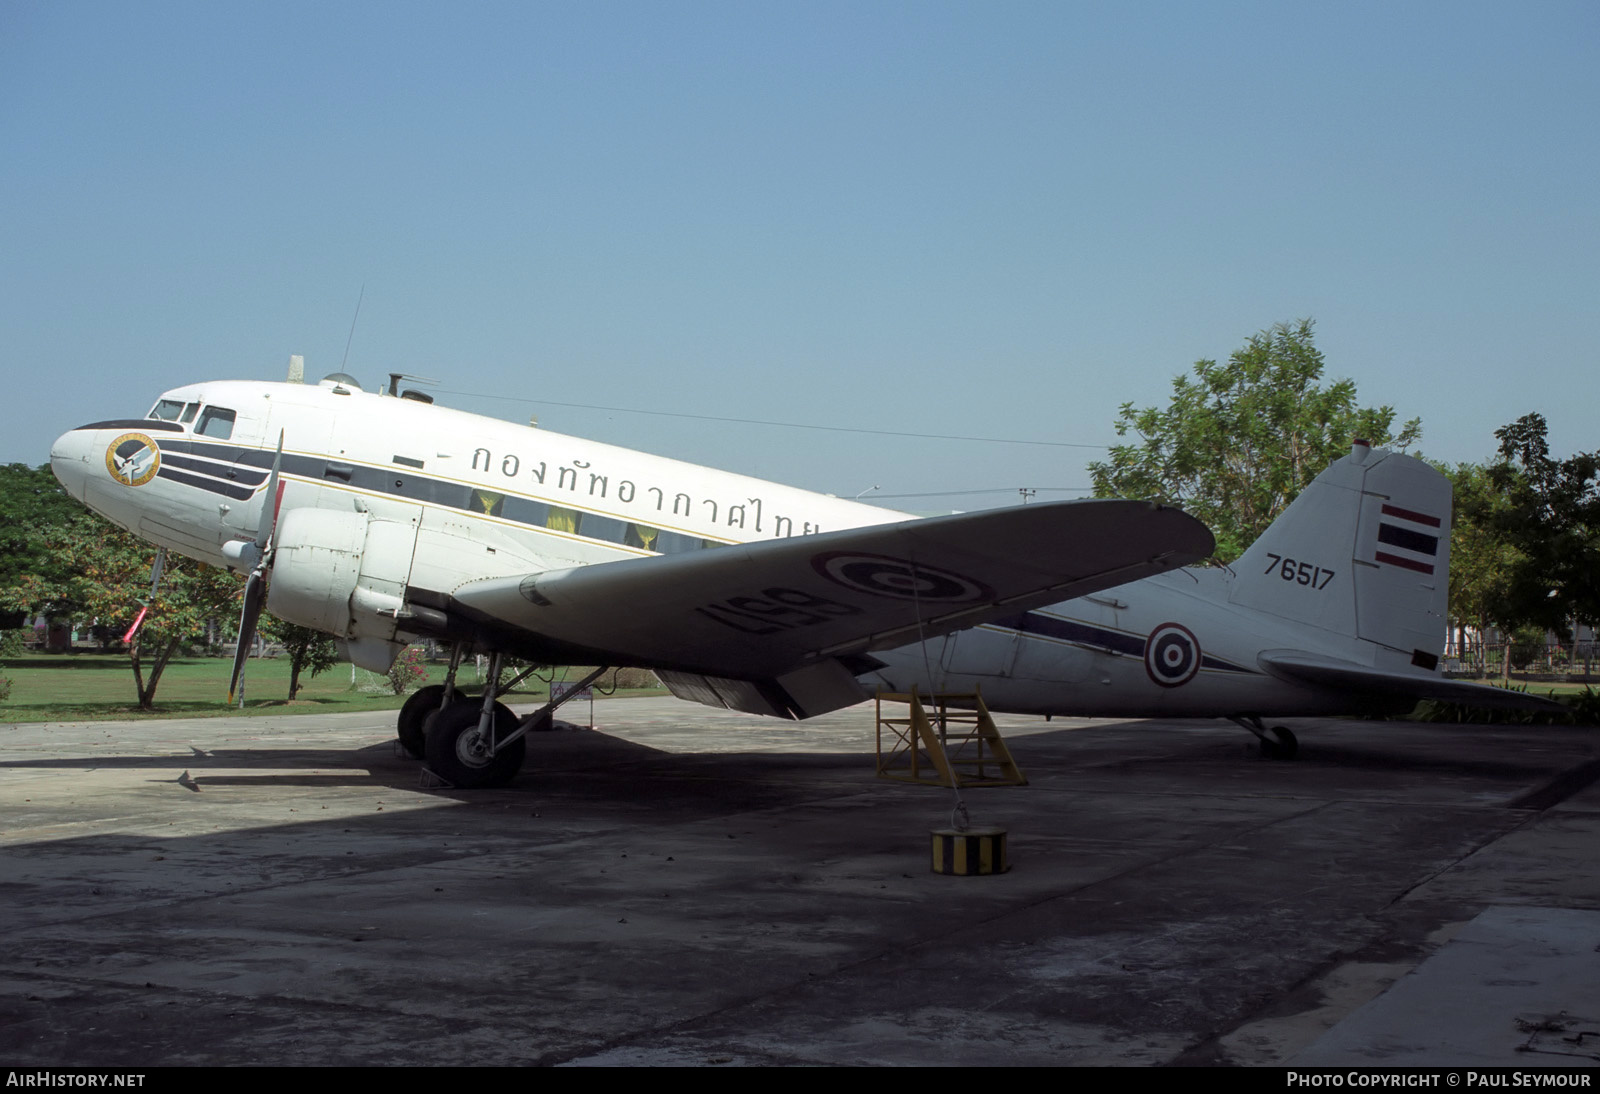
(82,687)
(87,687)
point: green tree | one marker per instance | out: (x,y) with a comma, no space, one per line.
(36,517)
(1549,510)
(111,580)
(310,652)
(1482,556)
(1238,441)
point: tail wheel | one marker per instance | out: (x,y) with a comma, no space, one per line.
(1279,744)
(459,754)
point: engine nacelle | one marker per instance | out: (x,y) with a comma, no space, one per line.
(336,571)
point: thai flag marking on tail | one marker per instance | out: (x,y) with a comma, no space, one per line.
(1409,539)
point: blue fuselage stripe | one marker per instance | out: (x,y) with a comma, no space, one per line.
(1100,638)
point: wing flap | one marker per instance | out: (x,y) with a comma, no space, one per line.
(760,610)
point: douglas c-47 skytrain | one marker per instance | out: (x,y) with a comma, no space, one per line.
(381,519)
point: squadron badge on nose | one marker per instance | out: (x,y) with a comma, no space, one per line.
(133,459)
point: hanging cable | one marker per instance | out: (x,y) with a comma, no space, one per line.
(780,425)
(960,819)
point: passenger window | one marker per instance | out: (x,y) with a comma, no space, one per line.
(595,526)
(216,422)
(674,543)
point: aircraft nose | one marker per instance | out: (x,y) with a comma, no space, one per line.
(69,460)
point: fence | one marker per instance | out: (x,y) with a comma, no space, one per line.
(1577,662)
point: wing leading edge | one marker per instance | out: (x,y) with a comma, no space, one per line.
(756,612)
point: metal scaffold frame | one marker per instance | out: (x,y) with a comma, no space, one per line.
(945,739)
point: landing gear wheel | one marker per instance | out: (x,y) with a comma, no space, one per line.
(1282,744)
(423,702)
(457,753)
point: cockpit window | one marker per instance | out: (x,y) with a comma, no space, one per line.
(174,410)
(216,422)
(167,410)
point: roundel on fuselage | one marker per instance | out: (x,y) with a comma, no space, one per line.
(133,459)
(1171,655)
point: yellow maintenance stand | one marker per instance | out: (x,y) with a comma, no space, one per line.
(950,740)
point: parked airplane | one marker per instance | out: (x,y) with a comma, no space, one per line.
(381,518)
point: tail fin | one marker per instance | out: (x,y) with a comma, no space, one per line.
(1363,552)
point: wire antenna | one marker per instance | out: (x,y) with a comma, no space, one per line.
(353,319)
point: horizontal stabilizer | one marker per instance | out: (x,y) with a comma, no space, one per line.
(1299,667)
(757,611)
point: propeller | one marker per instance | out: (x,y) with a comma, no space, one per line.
(155,583)
(255,587)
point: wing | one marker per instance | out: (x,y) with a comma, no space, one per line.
(761,611)
(1297,666)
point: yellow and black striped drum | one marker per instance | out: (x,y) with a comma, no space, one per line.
(974,851)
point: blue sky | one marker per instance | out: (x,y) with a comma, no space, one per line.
(984,219)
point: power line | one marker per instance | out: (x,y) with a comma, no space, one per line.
(991,490)
(784,425)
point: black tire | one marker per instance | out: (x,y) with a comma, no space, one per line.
(456,755)
(423,702)
(1283,746)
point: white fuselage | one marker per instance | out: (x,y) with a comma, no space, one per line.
(1088,657)
(531,500)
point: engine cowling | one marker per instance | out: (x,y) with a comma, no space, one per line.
(345,574)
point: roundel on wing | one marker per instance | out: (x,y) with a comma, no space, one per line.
(1171,655)
(133,459)
(898,579)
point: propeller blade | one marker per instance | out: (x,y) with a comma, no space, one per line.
(254,595)
(138,619)
(255,589)
(273,497)
(155,584)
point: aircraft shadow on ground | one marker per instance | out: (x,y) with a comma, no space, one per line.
(580,755)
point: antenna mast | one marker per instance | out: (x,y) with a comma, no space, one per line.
(353,319)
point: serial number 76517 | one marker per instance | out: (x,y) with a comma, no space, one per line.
(1301,573)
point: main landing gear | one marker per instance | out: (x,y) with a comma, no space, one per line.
(1277,743)
(423,702)
(473,743)
(426,701)
(472,747)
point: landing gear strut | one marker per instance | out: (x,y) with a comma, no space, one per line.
(473,746)
(1277,743)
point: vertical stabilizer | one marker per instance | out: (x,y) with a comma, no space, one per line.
(1402,559)
(1363,552)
